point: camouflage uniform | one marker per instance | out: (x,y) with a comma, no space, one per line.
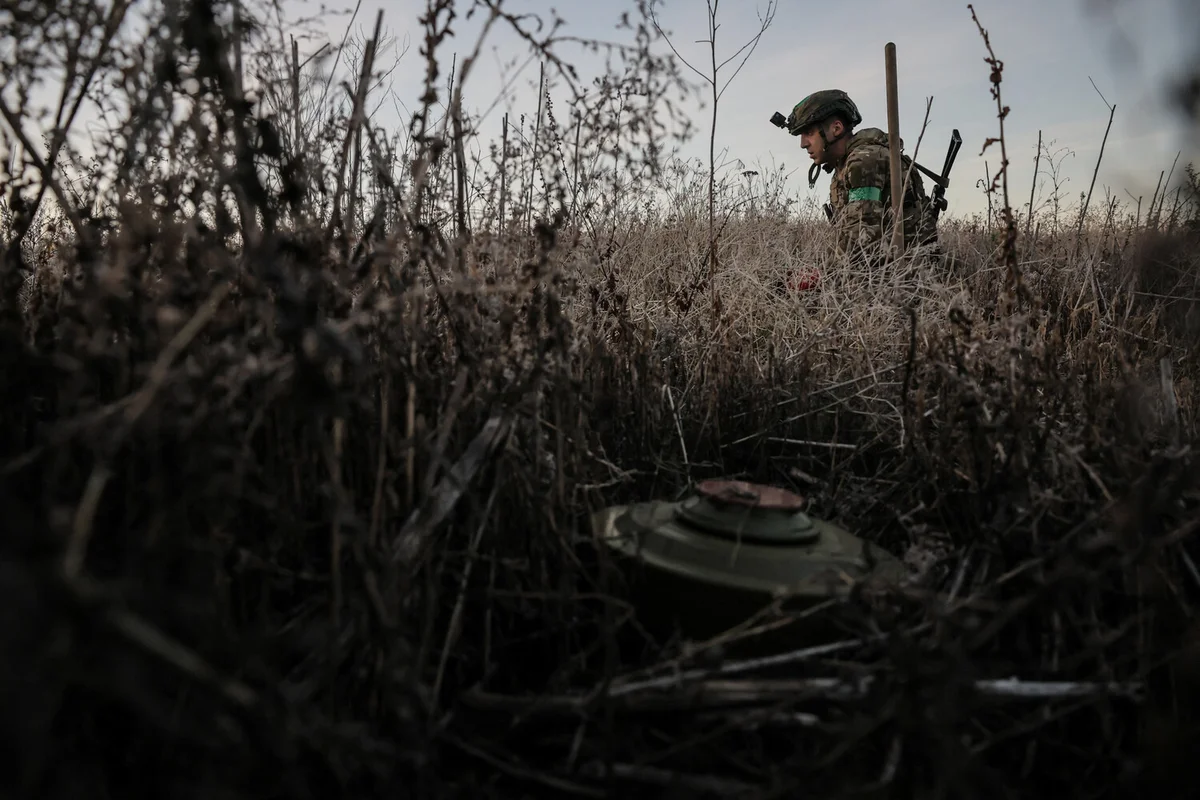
(860,192)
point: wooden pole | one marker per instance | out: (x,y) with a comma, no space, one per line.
(296,97)
(238,76)
(1037,160)
(893,112)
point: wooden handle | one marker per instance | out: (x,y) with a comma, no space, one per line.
(893,112)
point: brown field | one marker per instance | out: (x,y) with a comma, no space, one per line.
(303,420)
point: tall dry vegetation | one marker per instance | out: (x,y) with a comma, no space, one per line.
(303,418)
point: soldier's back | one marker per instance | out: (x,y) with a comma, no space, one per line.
(861,196)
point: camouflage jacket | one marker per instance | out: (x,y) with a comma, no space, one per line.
(861,196)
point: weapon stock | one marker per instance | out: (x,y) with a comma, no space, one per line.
(940,182)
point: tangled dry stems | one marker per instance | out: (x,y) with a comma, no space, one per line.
(306,514)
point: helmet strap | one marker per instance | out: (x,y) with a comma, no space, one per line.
(845,132)
(814,171)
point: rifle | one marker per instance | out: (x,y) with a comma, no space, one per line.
(940,182)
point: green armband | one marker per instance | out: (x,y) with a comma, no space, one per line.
(865,193)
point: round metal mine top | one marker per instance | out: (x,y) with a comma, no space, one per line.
(752,495)
(748,512)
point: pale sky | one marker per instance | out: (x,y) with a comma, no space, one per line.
(1050,49)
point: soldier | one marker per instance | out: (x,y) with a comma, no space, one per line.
(860,193)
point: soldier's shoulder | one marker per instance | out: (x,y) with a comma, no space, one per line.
(866,165)
(868,145)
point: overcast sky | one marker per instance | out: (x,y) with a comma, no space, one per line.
(1050,49)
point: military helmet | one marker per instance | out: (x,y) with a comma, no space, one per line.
(820,106)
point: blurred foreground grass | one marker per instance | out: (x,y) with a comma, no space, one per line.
(303,422)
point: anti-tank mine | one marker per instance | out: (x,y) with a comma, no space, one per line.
(712,561)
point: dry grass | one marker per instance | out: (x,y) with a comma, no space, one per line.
(297,506)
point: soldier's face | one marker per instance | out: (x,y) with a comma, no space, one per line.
(812,142)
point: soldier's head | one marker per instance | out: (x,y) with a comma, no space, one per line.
(824,121)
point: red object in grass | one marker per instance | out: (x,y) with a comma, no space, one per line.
(803,279)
